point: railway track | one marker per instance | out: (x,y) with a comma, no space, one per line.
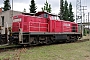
(9,47)
(4,48)
(84,40)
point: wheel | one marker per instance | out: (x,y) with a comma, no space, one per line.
(68,39)
(0,42)
(48,41)
(36,41)
(33,41)
(74,39)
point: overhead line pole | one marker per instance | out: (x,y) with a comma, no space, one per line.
(83,9)
(88,24)
(83,18)
(88,20)
(78,11)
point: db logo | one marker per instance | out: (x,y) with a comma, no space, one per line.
(66,24)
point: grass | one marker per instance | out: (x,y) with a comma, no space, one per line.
(71,51)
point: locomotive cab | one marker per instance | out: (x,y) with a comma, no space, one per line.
(42,14)
(47,15)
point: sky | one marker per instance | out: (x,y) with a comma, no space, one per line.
(19,5)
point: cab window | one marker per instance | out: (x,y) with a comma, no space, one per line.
(45,15)
(54,18)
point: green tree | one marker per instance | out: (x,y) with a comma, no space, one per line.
(47,7)
(71,15)
(33,7)
(61,9)
(24,10)
(66,12)
(6,5)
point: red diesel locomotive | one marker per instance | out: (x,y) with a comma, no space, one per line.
(43,28)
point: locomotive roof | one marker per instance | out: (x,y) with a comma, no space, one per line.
(32,14)
(41,12)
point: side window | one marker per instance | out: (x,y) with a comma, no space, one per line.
(57,18)
(2,17)
(45,15)
(52,18)
(40,15)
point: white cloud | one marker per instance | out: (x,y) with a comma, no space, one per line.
(1,5)
(21,1)
(39,3)
(20,7)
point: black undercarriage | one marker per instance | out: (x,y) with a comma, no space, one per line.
(43,38)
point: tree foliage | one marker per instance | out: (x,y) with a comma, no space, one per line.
(66,11)
(24,10)
(71,15)
(33,7)
(61,9)
(7,5)
(47,7)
